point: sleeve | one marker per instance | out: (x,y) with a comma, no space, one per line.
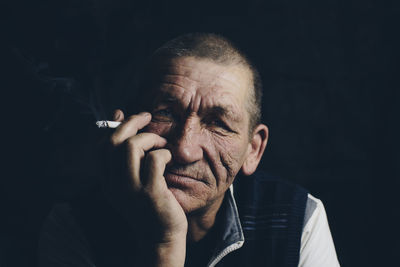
(62,242)
(317,247)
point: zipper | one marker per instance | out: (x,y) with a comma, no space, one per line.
(234,246)
(226,251)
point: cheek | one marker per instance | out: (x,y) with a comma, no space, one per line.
(230,156)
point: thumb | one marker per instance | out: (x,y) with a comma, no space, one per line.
(118,115)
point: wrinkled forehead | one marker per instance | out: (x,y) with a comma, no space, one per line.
(202,77)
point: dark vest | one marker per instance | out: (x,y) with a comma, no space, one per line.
(271,212)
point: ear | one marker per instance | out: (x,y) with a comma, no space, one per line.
(255,149)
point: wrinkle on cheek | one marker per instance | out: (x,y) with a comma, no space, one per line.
(230,156)
(228,163)
(221,162)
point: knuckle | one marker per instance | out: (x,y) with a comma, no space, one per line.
(114,140)
(133,147)
(146,190)
(147,135)
(152,155)
(132,117)
(131,127)
(154,137)
(152,160)
(130,142)
(166,153)
(156,156)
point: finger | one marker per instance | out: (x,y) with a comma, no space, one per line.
(155,163)
(136,146)
(130,127)
(118,115)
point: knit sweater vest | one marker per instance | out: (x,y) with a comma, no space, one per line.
(271,213)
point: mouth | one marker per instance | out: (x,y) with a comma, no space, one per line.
(177,179)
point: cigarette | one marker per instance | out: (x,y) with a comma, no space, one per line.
(108,124)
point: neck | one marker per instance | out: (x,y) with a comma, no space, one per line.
(200,223)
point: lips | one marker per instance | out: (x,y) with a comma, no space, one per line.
(180,179)
(181,174)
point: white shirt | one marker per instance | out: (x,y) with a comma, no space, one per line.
(317,248)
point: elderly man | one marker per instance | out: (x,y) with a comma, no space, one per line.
(170,199)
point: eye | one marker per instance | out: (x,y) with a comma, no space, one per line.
(218,124)
(162,115)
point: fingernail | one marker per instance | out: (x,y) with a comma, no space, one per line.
(145,114)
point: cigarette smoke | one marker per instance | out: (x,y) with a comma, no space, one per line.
(65,92)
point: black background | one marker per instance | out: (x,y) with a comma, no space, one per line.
(330,71)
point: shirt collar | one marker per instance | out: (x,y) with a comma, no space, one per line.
(231,236)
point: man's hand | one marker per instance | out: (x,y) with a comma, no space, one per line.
(142,193)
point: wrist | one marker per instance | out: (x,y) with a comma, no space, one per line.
(170,237)
(172,252)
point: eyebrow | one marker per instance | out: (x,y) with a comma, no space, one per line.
(219,110)
(222,111)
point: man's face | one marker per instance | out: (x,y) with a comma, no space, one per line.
(200,108)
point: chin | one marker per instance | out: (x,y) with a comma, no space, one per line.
(188,203)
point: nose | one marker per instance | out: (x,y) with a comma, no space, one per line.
(186,147)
